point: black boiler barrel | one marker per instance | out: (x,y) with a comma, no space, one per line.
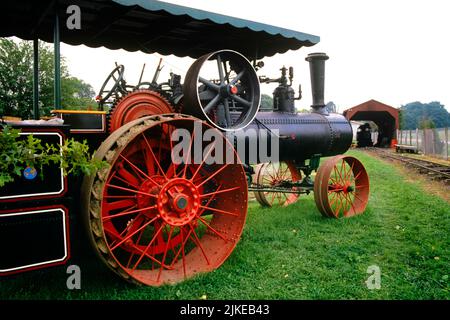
(300,136)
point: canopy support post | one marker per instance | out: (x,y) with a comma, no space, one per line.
(36,78)
(57,62)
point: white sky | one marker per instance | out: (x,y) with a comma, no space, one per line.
(394,51)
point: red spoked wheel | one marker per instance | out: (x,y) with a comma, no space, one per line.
(276,176)
(341,187)
(154,220)
(135,105)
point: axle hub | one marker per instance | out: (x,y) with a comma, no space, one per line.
(178,202)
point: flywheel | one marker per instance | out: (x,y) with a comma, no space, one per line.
(135,105)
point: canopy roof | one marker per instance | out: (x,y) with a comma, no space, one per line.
(149,26)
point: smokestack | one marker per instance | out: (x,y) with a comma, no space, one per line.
(317,71)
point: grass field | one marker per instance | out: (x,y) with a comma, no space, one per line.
(294,253)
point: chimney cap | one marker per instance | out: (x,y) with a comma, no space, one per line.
(317,56)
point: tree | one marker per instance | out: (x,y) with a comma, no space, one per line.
(77,94)
(266,101)
(415,113)
(16,81)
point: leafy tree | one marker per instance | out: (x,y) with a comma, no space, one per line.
(77,94)
(415,113)
(266,101)
(427,124)
(16,81)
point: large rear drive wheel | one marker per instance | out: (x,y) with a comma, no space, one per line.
(153,220)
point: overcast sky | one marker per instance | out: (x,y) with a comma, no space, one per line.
(394,51)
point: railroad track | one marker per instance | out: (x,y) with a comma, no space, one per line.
(434,170)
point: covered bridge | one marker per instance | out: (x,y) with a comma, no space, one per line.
(384,116)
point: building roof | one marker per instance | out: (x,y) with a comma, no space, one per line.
(148,26)
(373,110)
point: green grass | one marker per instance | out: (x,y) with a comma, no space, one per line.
(294,253)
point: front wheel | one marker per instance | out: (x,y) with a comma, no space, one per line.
(341,187)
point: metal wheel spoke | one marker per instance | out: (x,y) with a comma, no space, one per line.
(333,200)
(130,190)
(188,155)
(241,101)
(120,204)
(209,84)
(165,252)
(227,112)
(213,103)
(198,243)
(339,203)
(356,176)
(273,199)
(238,77)
(184,240)
(132,254)
(148,161)
(213,175)
(353,207)
(121,214)
(350,172)
(133,166)
(149,148)
(343,171)
(279,198)
(219,191)
(220,68)
(203,161)
(119,197)
(348,205)
(133,233)
(144,252)
(339,174)
(207,95)
(212,229)
(128,176)
(220,211)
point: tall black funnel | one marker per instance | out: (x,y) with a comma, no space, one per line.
(317,70)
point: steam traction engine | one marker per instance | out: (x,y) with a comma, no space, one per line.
(154,221)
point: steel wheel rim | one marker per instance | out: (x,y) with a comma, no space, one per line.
(179,245)
(341,187)
(268,174)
